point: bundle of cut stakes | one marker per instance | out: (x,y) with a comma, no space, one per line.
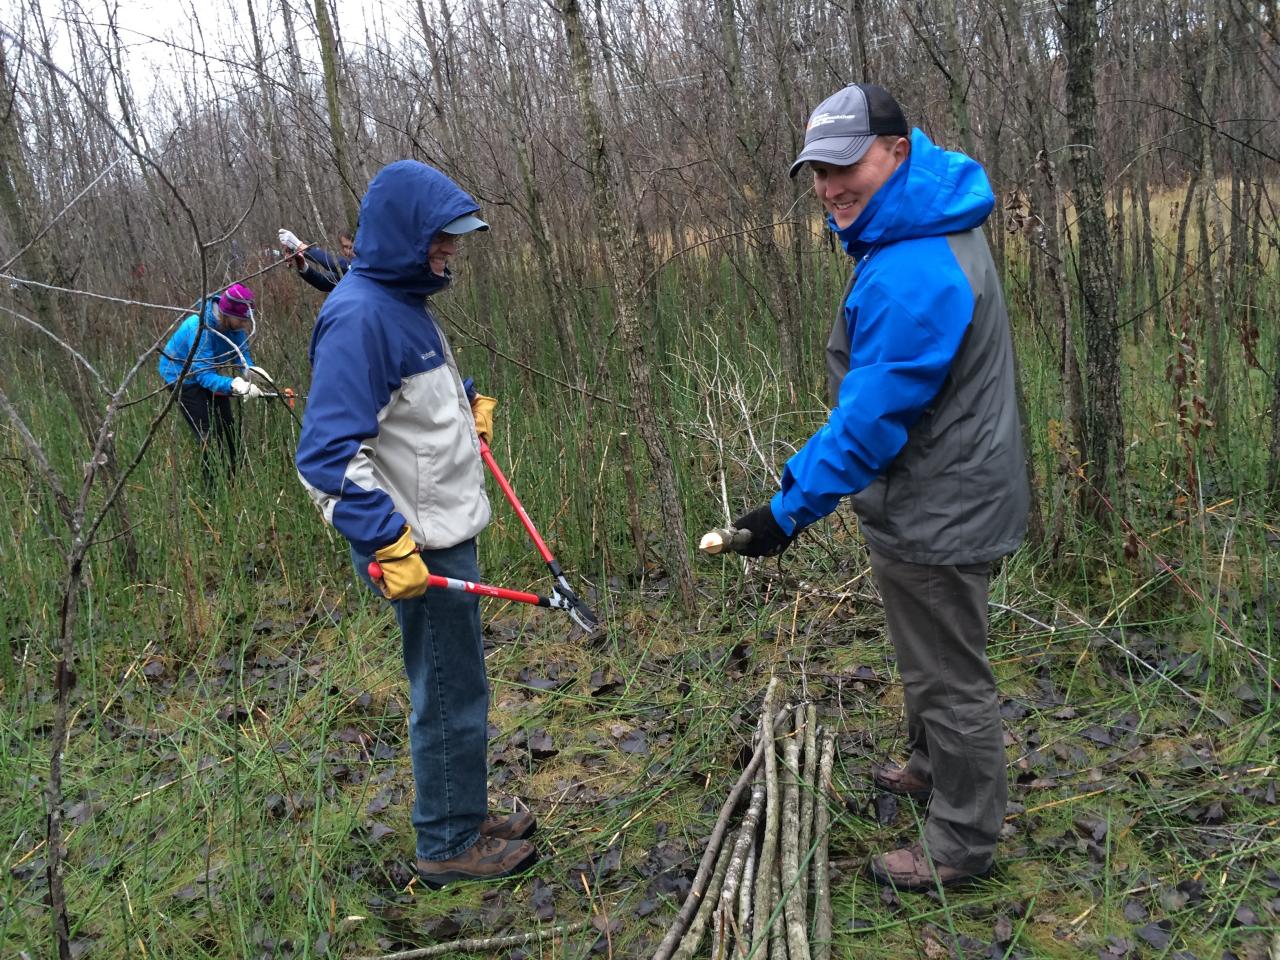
(754,884)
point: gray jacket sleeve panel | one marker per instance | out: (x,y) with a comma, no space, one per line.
(957,493)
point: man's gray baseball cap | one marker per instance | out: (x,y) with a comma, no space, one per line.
(845,125)
(464,224)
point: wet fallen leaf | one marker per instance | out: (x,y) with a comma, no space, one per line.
(1134,911)
(1157,934)
(603,683)
(442,928)
(1246,916)
(1120,946)
(542,900)
(1004,929)
(1091,827)
(634,742)
(541,746)
(605,925)
(886,808)
(1098,735)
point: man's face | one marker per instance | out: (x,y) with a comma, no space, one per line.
(348,248)
(845,191)
(441,251)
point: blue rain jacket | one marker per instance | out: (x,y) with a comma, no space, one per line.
(906,314)
(218,348)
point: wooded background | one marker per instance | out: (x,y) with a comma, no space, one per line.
(1129,147)
(651,268)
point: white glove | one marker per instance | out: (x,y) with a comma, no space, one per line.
(257,373)
(287,240)
(244,389)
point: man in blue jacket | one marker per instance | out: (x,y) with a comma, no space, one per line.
(925,437)
(390,452)
(316,265)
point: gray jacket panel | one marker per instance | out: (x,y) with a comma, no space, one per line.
(957,492)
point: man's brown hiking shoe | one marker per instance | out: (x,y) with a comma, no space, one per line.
(911,869)
(489,858)
(511,826)
(900,780)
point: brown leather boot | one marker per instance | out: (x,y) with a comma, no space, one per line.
(911,869)
(489,858)
(512,826)
(895,779)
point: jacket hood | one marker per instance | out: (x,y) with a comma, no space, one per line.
(208,315)
(404,208)
(933,193)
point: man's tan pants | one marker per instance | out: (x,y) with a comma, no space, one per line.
(937,619)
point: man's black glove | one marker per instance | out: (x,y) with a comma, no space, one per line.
(767,538)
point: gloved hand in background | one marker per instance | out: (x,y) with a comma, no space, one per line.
(482,408)
(258,375)
(244,389)
(768,539)
(404,574)
(289,241)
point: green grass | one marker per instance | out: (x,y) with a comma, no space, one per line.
(236,776)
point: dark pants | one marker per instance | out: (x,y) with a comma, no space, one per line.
(937,618)
(210,416)
(449,704)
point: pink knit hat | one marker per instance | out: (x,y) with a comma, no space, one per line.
(236,300)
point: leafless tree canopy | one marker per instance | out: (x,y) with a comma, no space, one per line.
(632,159)
(703,106)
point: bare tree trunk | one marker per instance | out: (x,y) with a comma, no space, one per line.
(1150,266)
(548,268)
(1104,442)
(956,72)
(431,40)
(267,95)
(785,290)
(1117,244)
(306,172)
(1207,212)
(1046,262)
(750,207)
(1052,246)
(332,89)
(1273,460)
(626,282)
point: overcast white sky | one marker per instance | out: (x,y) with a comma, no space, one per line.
(219,27)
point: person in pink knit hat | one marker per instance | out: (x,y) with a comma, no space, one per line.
(216,336)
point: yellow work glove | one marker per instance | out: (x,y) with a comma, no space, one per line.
(482,408)
(404,574)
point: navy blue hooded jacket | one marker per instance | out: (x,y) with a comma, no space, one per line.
(388,437)
(322,268)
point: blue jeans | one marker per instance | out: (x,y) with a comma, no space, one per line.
(449,697)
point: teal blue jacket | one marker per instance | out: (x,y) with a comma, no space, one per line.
(217,348)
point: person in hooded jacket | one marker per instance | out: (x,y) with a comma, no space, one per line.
(390,452)
(925,437)
(319,267)
(216,336)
